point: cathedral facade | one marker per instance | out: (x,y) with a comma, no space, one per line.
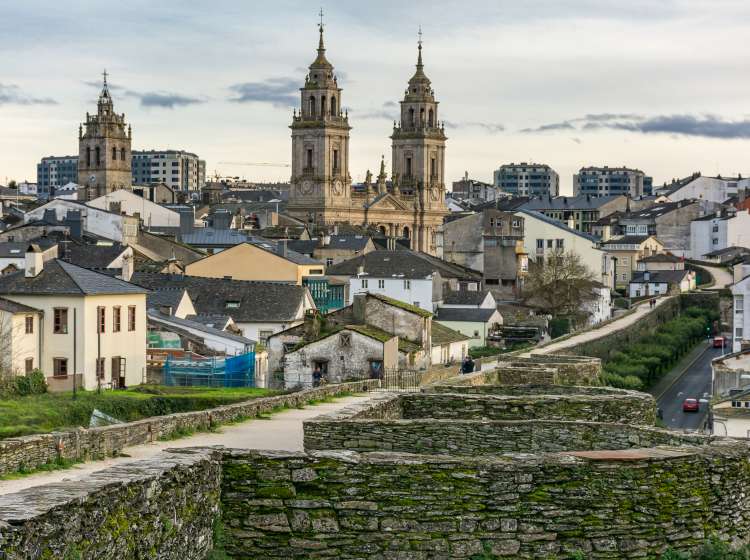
(411,205)
(104,155)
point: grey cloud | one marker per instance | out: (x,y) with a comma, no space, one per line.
(565,125)
(386,112)
(708,126)
(492,128)
(11,94)
(279,92)
(159,99)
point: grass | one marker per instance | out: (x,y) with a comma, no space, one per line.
(56,465)
(34,414)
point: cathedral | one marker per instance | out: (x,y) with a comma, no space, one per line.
(409,206)
(104,158)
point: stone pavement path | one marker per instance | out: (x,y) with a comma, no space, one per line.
(614,326)
(283,432)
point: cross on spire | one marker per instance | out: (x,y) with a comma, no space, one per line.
(419,47)
(320,25)
(419,42)
(104,74)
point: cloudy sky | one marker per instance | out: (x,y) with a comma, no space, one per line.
(663,86)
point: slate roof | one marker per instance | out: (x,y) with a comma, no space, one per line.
(257,301)
(653,212)
(164,298)
(62,278)
(154,315)
(465,297)
(17,249)
(206,237)
(369,331)
(13,307)
(348,242)
(443,335)
(732,249)
(557,223)
(662,258)
(91,256)
(580,202)
(627,240)
(302,246)
(660,277)
(465,314)
(400,264)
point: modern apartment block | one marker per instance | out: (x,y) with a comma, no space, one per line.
(178,169)
(605,181)
(54,172)
(527,179)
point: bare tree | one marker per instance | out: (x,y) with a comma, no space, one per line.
(560,285)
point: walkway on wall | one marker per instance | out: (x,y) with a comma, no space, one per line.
(283,432)
(722,277)
(593,334)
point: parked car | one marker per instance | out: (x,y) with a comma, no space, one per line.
(690,405)
(719,342)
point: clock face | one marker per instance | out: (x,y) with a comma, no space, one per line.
(306,187)
(338,187)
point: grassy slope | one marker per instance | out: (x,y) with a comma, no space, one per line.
(57,411)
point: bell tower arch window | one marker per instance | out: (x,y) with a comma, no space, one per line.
(421,116)
(408,166)
(309,161)
(122,154)
(411,116)
(430,118)
(333,106)
(114,154)
(312,105)
(88,156)
(323,106)
(98,156)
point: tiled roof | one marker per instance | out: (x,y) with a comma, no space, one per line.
(62,278)
(465,297)
(400,264)
(17,249)
(91,256)
(557,223)
(205,237)
(626,240)
(465,314)
(13,307)
(443,335)
(660,276)
(662,258)
(244,301)
(581,202)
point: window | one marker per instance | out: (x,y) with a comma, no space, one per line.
(264,336)
(29,324)
(60,367)
(122,154)
(416,304)
(335,160)
(492,222)
(101,317)
(739,304)
(28,365)
(116,318)
(97,151)
(549,244)
(540,244)
(100,368)
(364,282)
(88,157)
(345,340)
(738,333)
(316,271)
(407,284)
(60,321)
(131,318)
(433,168)
(333,106)
(715,241)
(559,243)
(114,154)
(381,284)
(329,261)
(309,158)
(716,228)
(408,167)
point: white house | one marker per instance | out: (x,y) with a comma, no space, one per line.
(731,416)
(448,346)
(719,231)
(661,282)
(151,214)
(475,323)
(708,189)
(97,221)
(741,314)
(69,191)
(544,236)
(215,339)
(600,308)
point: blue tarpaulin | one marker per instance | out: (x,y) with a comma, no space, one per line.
(237,371)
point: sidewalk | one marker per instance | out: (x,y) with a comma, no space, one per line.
(283,432)
(616,325)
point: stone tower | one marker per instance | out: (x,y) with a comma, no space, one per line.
(321,184)
(418,160)
(104,159)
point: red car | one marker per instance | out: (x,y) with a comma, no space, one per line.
(691,405)
(719,342)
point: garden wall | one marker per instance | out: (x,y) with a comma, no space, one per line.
(162,508)
(614,504)
(95,443)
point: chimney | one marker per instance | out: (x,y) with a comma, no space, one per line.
(281,248)
(127,268)
(34,261)
(187,219)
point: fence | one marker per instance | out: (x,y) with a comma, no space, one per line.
(400,380)
(237,371)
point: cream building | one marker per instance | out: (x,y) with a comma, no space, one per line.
(19,338)
(259,262)
(624,253)
(92,324)
(412,206)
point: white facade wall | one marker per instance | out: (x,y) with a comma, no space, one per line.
(719,233)
(536,229)
(740,313)
(96,221)
(417,292)
(451,352)
(152,215)
(214,341)
(709,189)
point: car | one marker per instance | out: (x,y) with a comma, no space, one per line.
(719,342)
(690,405)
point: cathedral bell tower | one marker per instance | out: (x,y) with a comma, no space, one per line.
(321,184)
(418,160)
(104,158)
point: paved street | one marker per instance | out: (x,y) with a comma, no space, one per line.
(696,382)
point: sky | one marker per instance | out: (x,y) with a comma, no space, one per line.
(661,86)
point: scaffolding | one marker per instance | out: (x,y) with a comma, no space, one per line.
(235,371)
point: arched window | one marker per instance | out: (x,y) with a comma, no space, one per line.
(430,118)
(411,117)
(88,156)
(312,106)
(421,116)
(382,230)
(333,106)
(323,106)
(98,156)
(406,233)
(114,154)
(122,154)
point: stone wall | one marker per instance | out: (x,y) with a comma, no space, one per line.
(162,508)
(97,443)
(615,504)
(536,389)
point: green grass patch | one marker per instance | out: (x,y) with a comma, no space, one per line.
(34,414)
(56,465)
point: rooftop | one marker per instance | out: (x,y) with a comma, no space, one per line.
(404,263)
(660,276)
(443,335)
(465,314)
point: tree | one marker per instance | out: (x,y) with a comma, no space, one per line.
(560,285)
(12,185)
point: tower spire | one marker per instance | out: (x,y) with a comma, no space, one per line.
(104,75)
(419,48)
(321,47)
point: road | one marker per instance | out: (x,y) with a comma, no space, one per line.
(695,382)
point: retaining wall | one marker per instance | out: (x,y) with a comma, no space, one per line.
(97,443)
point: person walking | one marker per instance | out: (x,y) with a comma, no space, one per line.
(317,376)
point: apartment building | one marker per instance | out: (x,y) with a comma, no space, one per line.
(178,169)
(606,181)
(527,179)
(54,172)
